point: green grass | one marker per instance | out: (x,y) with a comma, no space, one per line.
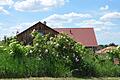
(48,78)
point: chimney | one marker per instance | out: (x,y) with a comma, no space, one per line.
(17,32)
(45,22)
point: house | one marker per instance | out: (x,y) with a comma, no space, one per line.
(25,36)
(105,50)
(85,36)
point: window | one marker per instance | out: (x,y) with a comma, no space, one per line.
(41,32)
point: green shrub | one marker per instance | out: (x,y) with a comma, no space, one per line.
(58,56)
(61,47)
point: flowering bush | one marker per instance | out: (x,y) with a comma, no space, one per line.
(63,51)
(115,53)
(57,56)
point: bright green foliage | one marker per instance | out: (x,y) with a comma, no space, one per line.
(105,63)
(58,56)
(115,53)
(64,52)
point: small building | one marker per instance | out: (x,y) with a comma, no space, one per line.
(84,36)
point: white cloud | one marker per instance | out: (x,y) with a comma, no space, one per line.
(108,37)
(56,25)
(96,24)
(22,26)
(38,5)
(2,10)
(1,24)
(104,8)
(11,30)
(77,20)
(6,2)
(66,18)
(110,16)
(54,21)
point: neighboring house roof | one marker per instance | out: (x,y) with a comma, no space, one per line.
(85,36)
(105,50)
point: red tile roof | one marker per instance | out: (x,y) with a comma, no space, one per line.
(85,36)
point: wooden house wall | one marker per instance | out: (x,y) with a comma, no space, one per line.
(26,37)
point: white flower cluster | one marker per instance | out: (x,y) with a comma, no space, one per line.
(57,55)
(118,47)
(11,52)
(51,42)
(76,59)
(48,42)
(57,45)
(53,52)
(31,51)
(1,46)
(54,42)
(51,38)
(67,40)
(36,44)
(64,47)
(39,50)
(46,50)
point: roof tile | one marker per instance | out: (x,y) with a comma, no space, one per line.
(85,36)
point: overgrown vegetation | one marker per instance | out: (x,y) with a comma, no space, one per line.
(58,56)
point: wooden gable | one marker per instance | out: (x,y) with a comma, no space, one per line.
(26,37)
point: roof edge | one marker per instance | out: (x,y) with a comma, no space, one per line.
(75,28)
(33,26)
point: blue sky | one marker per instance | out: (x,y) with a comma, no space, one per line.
(102,15)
